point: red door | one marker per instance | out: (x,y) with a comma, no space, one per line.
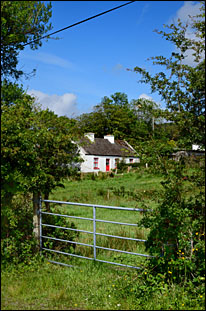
(107,165)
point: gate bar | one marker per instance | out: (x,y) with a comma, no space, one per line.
(47,225)
(113,263)
(120,251)
(102,234)
(120,237)
(67,241)
(68,254)
(84,218)
(100,206)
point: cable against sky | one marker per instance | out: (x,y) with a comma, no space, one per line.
(82,21)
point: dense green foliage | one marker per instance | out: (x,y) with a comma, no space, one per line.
(180,85)
(38,156)
(21,22)
(135,121)
(102,286)
(37,152)
(177,225)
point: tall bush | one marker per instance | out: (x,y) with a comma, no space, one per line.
(177,225)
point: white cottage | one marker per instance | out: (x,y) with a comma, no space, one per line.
(103,154)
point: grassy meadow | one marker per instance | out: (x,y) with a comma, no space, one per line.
(131,190)
(90,285)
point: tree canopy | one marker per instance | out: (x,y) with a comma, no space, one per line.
(182,86)
(21,23)
(37,152)
(133,121)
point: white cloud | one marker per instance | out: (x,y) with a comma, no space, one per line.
(190,8)
(48,58)
(118,67)
(142,14)
(62,105)
(145,96)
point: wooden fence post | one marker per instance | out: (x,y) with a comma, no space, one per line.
(36,217)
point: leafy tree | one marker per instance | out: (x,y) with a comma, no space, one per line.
(56,155)
(180,85)
(17,144)
(21,22)
(37,152)
(147,112)
(109,117)
(115,115)
(177,224)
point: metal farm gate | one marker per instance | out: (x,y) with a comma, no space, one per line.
(94,233)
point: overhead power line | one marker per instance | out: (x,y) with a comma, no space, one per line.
(82,21)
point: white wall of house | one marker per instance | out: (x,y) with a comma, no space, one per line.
(197,147)
(90,161)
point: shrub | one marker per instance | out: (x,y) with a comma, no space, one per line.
(176,237)
(18,244)
(17,241)
(121,166)
(58,233)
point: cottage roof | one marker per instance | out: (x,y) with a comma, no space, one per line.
(102,147)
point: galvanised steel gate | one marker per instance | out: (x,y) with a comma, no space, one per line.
(94,233)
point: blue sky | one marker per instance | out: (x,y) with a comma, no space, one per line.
(89,61)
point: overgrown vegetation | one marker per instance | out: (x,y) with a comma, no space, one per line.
(38,155)
(165,287)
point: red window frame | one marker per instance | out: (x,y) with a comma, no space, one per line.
(96,163)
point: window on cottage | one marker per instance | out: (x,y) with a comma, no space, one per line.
(96,163)
(130,160)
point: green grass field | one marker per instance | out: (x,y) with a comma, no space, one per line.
(128,190)
(90,285)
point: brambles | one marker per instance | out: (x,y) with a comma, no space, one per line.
(177,227)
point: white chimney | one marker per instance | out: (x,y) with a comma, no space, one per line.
(90,136)
(110,138)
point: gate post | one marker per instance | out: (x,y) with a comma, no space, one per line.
(36,217)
